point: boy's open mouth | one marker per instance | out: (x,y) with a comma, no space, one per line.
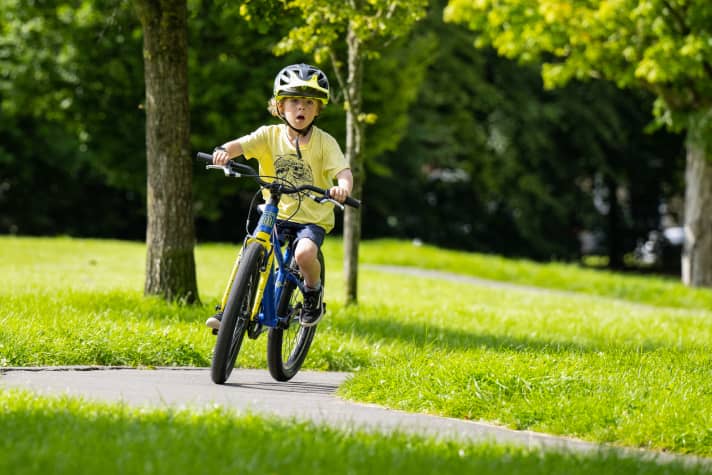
(300,117)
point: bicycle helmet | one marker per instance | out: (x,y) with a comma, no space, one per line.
(301,80)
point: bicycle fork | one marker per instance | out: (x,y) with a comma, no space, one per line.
(262,236)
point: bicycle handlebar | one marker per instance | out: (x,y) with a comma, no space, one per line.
(235,169)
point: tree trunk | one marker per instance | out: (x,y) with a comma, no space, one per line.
(354,146)
(170,233)
(697,254)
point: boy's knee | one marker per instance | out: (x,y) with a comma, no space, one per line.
(306,250)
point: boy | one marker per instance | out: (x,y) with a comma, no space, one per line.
(302,153)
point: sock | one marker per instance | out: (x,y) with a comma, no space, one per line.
(312,289)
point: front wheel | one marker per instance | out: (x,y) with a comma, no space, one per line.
(236,315)
(288,347)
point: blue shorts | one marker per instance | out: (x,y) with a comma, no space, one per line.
(300,231)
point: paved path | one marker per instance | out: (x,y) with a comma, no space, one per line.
(309,396)
(451,276)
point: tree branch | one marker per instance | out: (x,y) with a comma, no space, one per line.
(339,76)
(679,18)
(685,30)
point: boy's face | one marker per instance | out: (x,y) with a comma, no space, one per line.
(300,111)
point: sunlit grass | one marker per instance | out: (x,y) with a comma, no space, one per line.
(580,366)
(604,368)
(661,291)
(61,435)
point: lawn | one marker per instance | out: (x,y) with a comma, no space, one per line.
(616,358)
(59,435)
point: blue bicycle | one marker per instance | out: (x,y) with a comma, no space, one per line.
(264,291)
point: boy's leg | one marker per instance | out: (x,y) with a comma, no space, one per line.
(306,253)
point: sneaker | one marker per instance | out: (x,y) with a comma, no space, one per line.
(313,308)
(214,321)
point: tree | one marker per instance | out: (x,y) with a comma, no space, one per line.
(66,68)
(347,33)
(496,164)
(170,234)
(659,45)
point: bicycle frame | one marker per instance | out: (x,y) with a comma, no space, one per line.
(271,283)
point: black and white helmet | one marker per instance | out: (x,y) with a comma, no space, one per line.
(301,80)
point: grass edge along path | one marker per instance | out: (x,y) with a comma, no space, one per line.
(70,435)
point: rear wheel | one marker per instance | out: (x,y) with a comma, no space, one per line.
(236,315)
(288,347)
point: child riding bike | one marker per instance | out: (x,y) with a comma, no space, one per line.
(300,153)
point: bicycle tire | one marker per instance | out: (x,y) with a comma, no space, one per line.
(287,348)
(236,315)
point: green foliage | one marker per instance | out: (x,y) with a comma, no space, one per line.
(59,103)
(392,84)
(501,165)
(71,129)
(662,46)
(325,23)
(55,82)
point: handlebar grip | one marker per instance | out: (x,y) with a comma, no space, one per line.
(352,202)
(207,157)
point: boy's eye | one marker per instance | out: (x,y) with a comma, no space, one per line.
(297,100)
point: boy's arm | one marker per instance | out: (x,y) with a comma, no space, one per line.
(226,151)
(345,182)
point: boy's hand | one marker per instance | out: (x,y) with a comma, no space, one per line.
(223,153)
(345,182)
(220,156)
(338,193)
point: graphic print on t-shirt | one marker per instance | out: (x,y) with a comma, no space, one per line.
(295,171)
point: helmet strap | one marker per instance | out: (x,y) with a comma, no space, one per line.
(302,132)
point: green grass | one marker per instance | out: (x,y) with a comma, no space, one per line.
(61,435)
(642,289)
(579,366)
(596,365)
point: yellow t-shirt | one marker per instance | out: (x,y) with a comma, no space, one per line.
(322,159)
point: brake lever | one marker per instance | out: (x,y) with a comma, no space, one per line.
(337,204)
(322,199)
(226,170)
